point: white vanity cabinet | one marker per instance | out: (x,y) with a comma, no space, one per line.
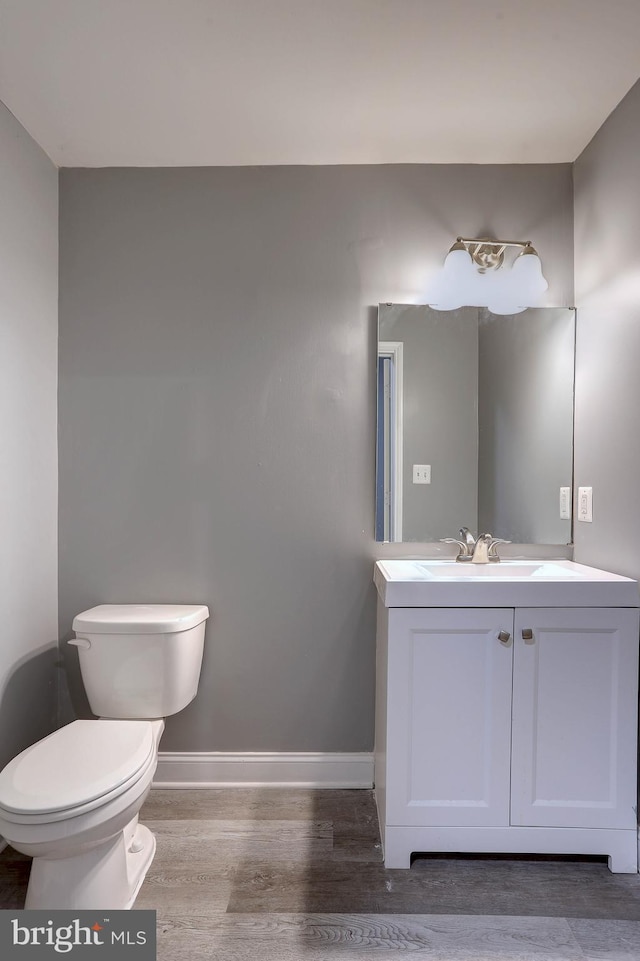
(507,729)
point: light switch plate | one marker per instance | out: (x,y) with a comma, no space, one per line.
(422,473)
(565,503)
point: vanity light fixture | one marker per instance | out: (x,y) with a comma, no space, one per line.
(471,276)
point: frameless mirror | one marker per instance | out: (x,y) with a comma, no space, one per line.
(475,423)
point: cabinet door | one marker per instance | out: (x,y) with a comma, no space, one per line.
(575,691)
(449,716)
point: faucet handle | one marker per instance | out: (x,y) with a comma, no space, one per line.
(493,547)
(464,553)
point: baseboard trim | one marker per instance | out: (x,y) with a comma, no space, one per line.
(283,769)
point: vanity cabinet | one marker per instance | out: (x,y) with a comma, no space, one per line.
(507,729)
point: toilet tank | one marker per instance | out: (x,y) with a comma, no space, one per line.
(140,660)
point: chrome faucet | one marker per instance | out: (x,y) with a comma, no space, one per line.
(480,550)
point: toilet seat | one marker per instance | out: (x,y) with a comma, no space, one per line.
(76,769)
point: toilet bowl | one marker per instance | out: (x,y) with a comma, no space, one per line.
(71,801)
(82,829)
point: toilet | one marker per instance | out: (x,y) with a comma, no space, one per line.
(71,801)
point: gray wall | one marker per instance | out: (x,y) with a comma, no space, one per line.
(607,451)
(217,411)
(28,458)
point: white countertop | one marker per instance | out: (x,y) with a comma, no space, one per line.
(528,582)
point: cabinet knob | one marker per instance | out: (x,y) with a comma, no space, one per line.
(527,634)
(504,636)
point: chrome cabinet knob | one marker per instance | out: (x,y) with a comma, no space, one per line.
(527,634)
(504,636)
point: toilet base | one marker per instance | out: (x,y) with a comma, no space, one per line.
(108,875)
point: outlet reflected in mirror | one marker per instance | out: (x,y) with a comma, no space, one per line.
(475,423)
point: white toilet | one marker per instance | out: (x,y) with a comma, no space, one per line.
(71,801)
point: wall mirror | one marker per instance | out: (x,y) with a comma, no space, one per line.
(475,423)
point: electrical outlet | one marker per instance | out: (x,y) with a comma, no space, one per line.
(585,504)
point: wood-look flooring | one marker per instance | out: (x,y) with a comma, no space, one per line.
(297,875)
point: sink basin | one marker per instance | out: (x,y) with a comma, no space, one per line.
(511,583)
(503,569)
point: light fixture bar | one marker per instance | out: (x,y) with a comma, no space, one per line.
(488,254)
(494,243)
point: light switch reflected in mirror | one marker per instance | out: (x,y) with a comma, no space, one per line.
(486,403)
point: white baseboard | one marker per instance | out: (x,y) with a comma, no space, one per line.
(220,769)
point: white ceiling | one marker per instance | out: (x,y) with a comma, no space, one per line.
(210,82)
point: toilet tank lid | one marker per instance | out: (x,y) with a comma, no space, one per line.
(140,618)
